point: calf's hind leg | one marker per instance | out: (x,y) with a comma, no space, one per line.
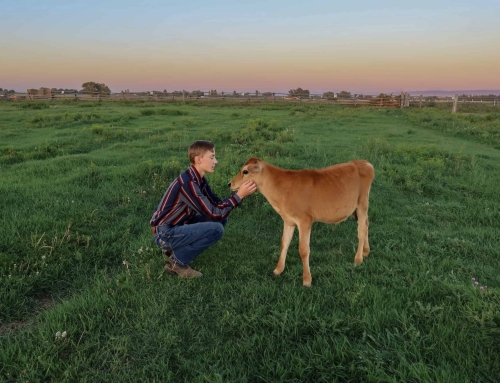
(304,250)
(363,247)
(366,246)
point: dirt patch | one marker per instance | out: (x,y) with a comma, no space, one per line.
(43,303)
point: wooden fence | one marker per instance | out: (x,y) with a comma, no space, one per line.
(403,100)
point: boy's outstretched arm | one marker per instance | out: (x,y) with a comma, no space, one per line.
(212,195)
(192,195)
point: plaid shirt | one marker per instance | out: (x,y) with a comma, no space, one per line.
(189,195)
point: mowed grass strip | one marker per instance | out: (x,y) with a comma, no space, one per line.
(84,297)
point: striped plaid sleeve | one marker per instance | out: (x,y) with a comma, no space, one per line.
(195,197)
(211,195)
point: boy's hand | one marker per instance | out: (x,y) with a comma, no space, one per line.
(246,189)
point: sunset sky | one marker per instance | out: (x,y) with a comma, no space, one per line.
(273,45)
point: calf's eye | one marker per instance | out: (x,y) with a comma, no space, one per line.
(245,171)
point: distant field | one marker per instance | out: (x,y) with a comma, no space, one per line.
(80,181)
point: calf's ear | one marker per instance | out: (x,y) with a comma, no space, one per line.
(255,168)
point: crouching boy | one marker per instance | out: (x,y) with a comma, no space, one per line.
(190,217)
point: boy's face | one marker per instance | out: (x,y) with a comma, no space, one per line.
(207,162)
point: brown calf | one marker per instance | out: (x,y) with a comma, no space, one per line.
(302,197)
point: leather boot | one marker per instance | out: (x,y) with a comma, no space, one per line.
(173,267)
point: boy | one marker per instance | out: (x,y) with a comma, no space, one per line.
(190,217)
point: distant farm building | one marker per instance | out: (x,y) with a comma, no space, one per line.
(39,93)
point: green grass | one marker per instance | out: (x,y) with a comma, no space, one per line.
(79,185)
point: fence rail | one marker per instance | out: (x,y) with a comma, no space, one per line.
(389,101)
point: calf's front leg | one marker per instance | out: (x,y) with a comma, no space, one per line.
(285,242)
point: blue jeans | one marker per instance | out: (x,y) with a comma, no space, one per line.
(191,239)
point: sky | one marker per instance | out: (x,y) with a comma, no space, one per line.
(358,46)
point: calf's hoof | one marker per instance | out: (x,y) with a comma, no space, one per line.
(306,284)
(358,261)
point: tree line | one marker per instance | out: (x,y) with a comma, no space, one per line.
(94,87)
(100,88)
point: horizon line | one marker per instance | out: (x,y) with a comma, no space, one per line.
(468,91)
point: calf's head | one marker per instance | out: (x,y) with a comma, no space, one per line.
(251,171)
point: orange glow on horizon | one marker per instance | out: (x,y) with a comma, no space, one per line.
(357,70)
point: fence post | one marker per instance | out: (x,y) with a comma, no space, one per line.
(420,102)
(455,104)
(402,101)
(407,99)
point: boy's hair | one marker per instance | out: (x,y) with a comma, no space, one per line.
(199,148)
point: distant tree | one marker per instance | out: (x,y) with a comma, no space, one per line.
(94,87)
(328,95)
(304,93)
(1,89)
(11,91)
(257,93)
(299,92)
(235,94)
(345,94)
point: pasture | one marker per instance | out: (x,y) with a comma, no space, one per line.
(83,295)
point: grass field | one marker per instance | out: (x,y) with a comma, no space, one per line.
(83,295)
